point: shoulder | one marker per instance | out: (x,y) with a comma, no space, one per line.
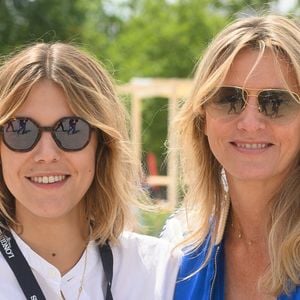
(295,294)
(180,225)
(149,263)
(195,274)
(197,254)
(146,248)
(10,289)
(175,228)
(132,238)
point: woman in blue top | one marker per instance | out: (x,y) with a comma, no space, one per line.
(242,124)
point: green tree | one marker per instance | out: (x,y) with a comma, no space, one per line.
(163,39)
(235,7)
(25,21)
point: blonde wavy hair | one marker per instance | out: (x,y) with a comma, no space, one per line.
(91,95)
(202,173)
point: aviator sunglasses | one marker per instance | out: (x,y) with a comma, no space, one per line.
(278,104)
(69,133)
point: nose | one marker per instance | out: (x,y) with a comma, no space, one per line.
(46,149)
(250,119)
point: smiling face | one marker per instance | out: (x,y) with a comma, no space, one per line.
(47,181)
(251,146)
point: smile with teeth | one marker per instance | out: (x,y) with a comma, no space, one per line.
(48,179)
(252,146)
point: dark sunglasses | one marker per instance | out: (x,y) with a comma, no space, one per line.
(69,133)
(277,104)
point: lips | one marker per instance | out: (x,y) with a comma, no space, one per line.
(251,146)
(248,146)
(49,179)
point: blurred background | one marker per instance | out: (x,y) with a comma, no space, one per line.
(134,39)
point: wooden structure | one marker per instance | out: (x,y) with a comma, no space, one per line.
(172,89)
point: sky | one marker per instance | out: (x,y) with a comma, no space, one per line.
(286,5)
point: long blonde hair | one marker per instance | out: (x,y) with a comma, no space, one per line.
(91,95)
(203,173)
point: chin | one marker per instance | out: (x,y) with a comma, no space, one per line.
(251,175)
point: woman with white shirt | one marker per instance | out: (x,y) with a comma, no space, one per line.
(68,184)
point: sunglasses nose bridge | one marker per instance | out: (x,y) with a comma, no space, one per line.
(47,129)
(46,149)
(250,119)
(50,132)
(255,103)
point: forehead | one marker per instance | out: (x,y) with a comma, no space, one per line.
(253,70)
(45,103)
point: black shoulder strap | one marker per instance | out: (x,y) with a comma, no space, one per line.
(23,273)
(107,262)
(20,266)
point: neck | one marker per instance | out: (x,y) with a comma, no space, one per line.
(250,210)
(242,231)
(60,241)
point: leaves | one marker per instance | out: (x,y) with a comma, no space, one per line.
(163,39)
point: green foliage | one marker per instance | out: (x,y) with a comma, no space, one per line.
(155,115)
(163,39)
(153,222)
(24,21)
(233,7)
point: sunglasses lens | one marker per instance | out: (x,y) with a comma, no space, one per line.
(227,101)
(20,134)
(72,133)
(278,104)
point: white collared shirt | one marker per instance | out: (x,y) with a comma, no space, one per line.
(144,268)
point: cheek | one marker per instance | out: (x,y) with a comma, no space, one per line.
(87,160)
(90,166)
(210,127)
(290,146)
(11,164)
(8,161)
(86,174)
(217,135)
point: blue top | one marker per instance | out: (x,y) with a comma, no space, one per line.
(208,283)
